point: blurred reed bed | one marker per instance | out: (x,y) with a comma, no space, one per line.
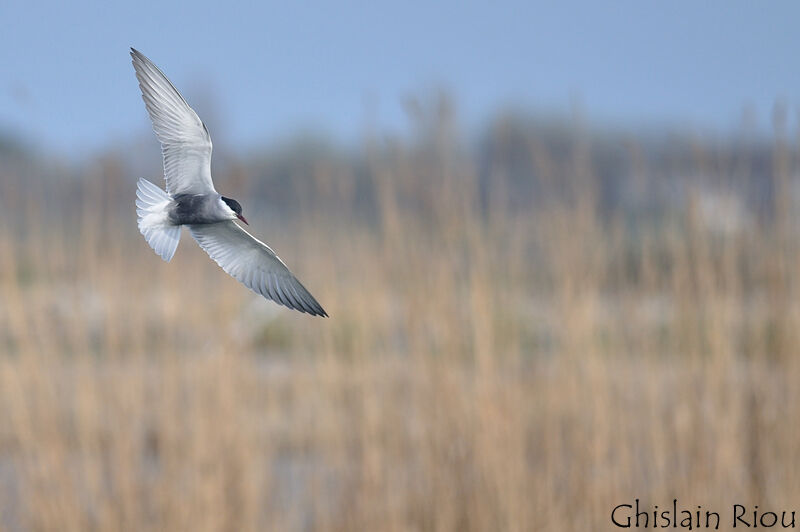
(511,345)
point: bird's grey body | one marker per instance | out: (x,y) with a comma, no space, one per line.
(191,200)
(197,209)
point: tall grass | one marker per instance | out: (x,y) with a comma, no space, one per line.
(492,362)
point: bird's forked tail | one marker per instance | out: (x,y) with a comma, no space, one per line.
(151,207)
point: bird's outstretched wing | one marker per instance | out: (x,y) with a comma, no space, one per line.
(255,265)
(185,142)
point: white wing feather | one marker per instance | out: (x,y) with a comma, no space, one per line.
(185,142)
(255,265)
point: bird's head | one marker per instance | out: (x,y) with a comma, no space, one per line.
(235,207)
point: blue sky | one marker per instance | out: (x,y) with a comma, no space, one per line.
(259,71)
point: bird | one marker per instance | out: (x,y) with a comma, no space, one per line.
(191,200)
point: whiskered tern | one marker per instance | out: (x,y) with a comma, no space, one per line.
(191,200)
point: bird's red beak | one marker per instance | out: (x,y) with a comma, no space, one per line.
(242,218)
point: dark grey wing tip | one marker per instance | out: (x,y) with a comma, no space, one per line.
(138,61)
(314,312)
(315,309)
(310,302)
(318,310)
(142,60)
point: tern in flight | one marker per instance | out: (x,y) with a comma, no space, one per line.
(191,200)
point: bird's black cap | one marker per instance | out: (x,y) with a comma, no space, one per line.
(233,204)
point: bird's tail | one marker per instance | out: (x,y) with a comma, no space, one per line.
(151,207)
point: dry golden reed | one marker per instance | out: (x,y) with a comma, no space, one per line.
(491,362)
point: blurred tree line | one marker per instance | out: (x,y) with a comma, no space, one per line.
(518,160)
